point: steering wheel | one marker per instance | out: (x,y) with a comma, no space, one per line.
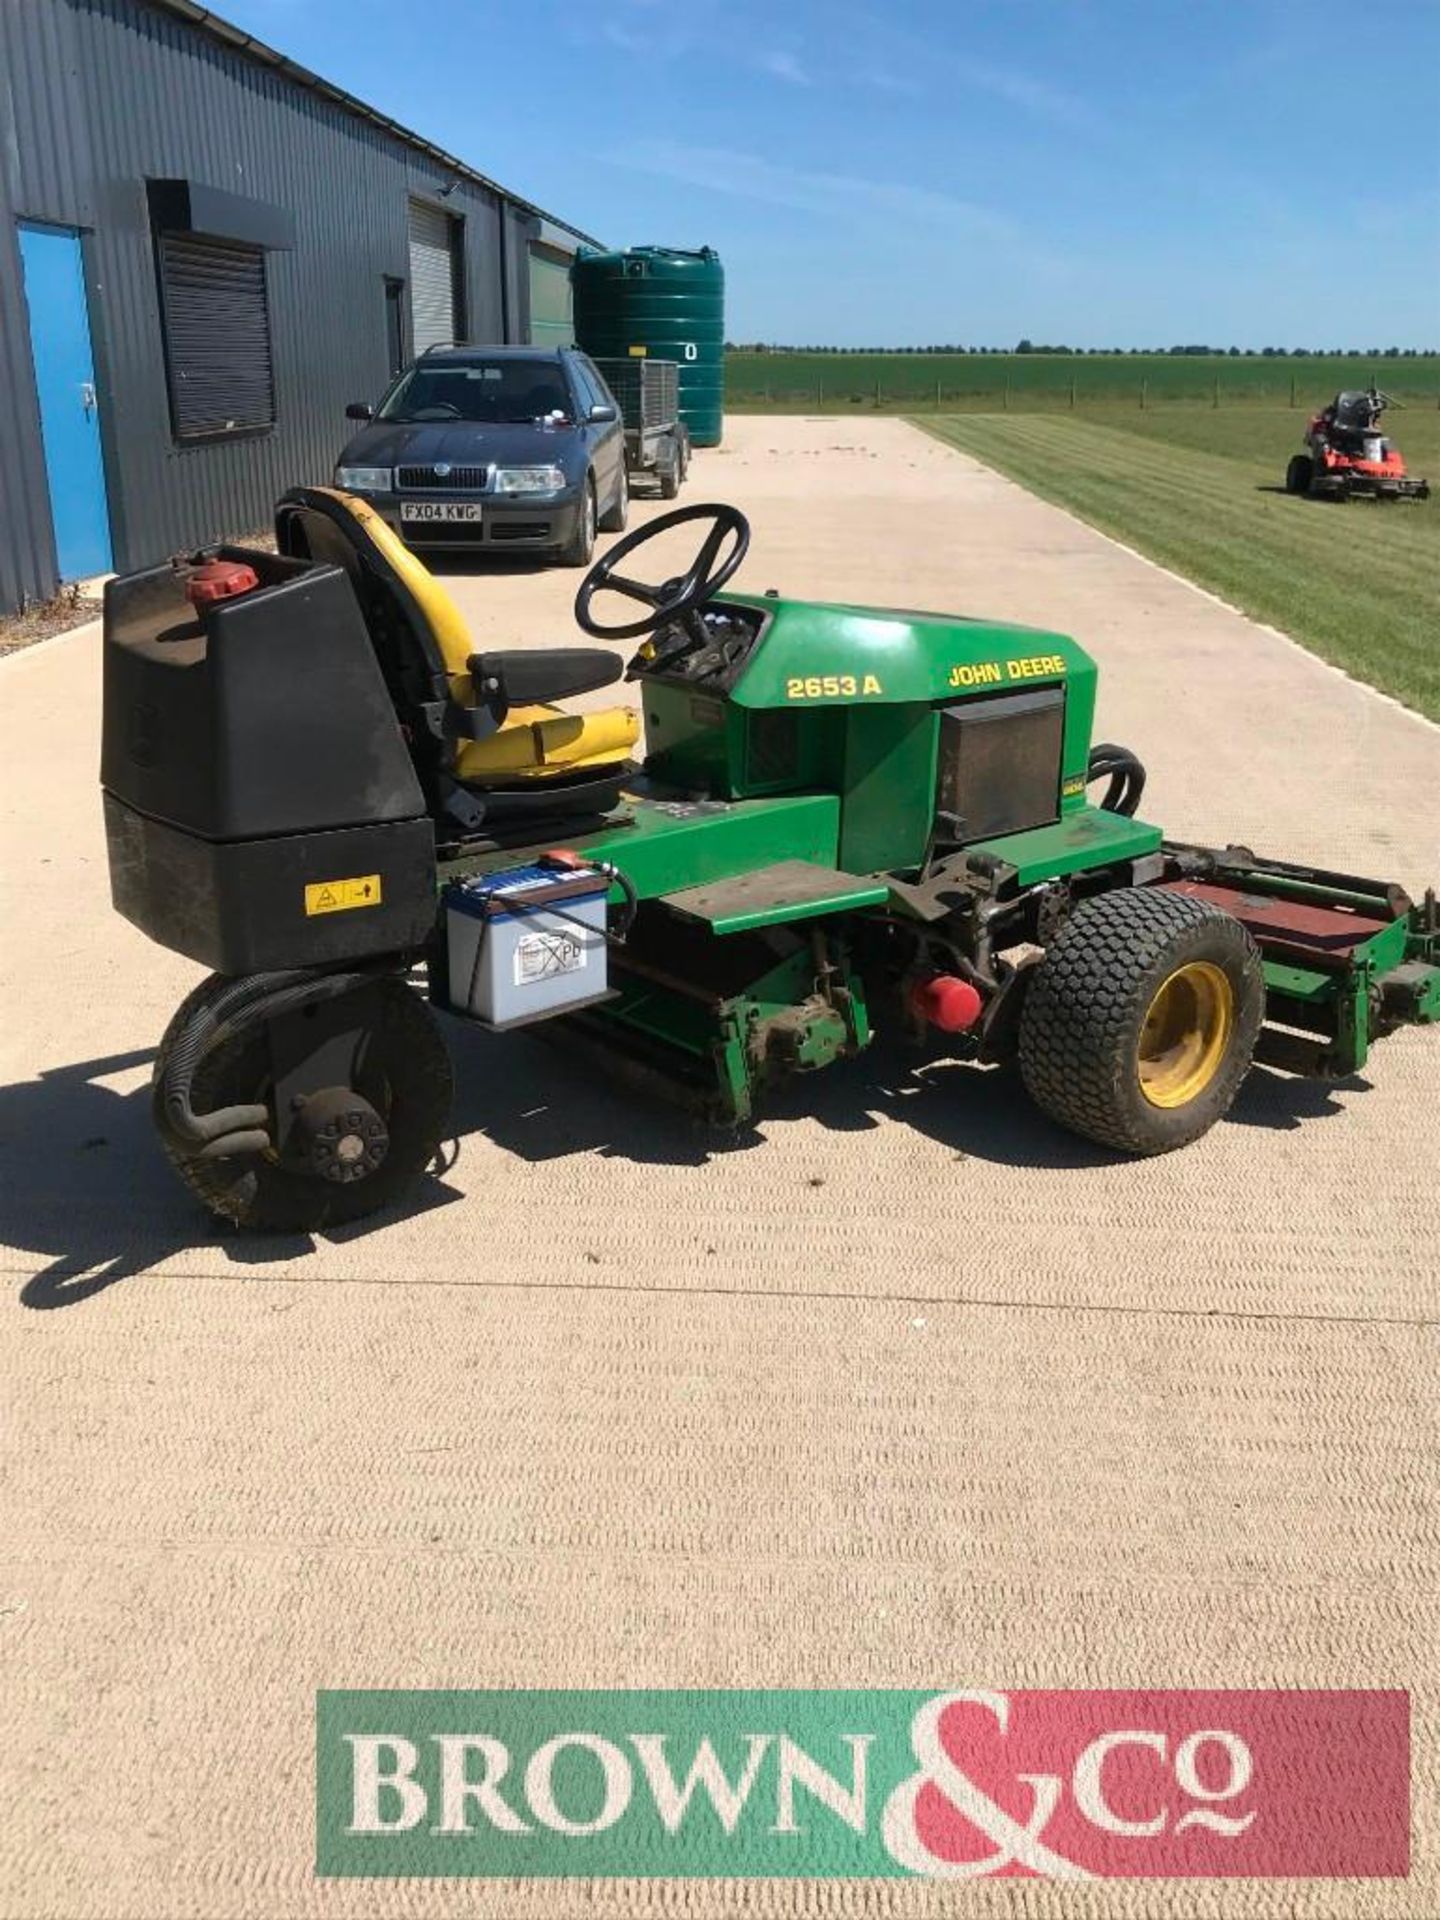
(679,599)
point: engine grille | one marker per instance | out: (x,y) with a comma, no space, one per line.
(999,768)
(430,479)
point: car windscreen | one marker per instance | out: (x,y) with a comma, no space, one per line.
(486,390)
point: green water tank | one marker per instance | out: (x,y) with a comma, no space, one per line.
(665,303)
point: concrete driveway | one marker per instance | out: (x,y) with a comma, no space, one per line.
(916,1391)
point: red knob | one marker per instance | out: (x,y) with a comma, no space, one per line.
(946,1002)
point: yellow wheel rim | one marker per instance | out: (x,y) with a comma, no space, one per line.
(1186,1034)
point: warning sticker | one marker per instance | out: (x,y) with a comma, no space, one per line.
(336,896)
(543,956)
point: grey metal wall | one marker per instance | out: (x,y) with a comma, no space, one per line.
(96,96)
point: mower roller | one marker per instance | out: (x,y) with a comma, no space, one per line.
(844,817)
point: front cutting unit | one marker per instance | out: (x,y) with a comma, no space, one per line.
(844,819)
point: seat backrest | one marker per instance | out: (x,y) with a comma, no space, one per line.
(1354,411)
(407,610)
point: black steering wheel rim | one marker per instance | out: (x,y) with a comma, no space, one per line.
(673,599)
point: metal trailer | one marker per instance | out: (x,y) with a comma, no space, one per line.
(657,441)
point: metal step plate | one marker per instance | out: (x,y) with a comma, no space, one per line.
(769,896)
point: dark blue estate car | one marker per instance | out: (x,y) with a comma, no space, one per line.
(493,448)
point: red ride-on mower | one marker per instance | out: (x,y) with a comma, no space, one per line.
(1348,454)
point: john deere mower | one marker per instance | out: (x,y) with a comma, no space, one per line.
(844,817)
(1347,454)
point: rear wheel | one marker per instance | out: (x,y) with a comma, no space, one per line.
(670,475)
(1141,1021)
(362,1144)
(1299,473)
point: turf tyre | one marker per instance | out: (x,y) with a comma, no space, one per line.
(1085,1009)
(1299,474)
(409,1079)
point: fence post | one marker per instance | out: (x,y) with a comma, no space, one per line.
(1216,401)
(937,394)
(819,389)
(1072,393)
(1292,389)
(1143,385)
(1005,404)
(877,392)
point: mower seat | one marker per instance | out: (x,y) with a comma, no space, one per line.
(501,727)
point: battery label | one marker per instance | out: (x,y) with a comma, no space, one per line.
(544,956)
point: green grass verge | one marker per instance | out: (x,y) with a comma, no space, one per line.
(785,382)
(1359,584)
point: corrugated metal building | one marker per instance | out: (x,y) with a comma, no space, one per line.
(205,252)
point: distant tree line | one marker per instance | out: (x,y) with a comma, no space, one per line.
(1031,346)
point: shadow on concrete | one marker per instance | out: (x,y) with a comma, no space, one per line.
(89,1189)
(88,1186)
(1283,1103)
(522,1094)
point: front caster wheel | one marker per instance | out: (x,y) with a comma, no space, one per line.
(350,1147)
(1140,1022)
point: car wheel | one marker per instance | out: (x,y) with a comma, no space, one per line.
(616,516)
(580,550)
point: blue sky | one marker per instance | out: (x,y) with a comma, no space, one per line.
(1099,172)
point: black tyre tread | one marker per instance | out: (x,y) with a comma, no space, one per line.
(576,552)
(1089,996)
(616,518)
(257,1194)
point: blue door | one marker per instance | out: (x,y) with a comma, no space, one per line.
(65,381)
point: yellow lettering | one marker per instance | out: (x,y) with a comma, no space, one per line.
(1039,666)
(984,673)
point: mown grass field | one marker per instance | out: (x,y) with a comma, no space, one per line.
(963,382)
(1201,491)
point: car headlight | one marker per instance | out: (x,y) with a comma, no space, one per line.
(365,479)
(530,480)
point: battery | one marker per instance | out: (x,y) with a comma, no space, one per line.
(526,943)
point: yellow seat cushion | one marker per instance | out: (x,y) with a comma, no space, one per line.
(541,743)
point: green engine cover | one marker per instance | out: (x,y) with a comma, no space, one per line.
(847,700)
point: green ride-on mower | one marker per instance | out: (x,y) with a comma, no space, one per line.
(844,816)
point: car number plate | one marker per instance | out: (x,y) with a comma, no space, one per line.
(440,510)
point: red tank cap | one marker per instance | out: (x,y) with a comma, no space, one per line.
(562,857)
(219,580)
(946,1002)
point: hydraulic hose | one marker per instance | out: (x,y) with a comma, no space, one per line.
(1125,773)
(242,1128)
